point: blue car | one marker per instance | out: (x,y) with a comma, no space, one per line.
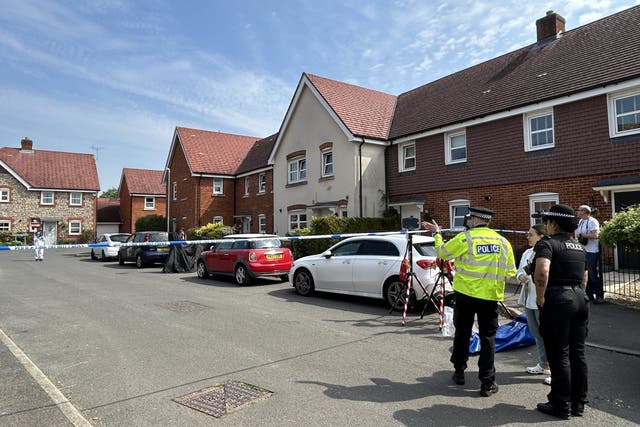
(145,255)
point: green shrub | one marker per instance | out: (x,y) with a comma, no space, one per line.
(623,229)
(209,232)
(151,223)
(87,236)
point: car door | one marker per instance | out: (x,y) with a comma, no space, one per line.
(373,264)
(334,272)
(217,258)
(129,250)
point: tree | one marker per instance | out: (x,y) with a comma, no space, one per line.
(111,193)
(623,229)
(151,223)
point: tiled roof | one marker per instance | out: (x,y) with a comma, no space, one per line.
(364,112)
(144,181)
(258,156)
(55,170)
(602,52)
(108,210)
(214,152)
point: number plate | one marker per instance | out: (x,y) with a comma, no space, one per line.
(273,256)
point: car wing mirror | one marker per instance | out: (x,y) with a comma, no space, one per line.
(327,254)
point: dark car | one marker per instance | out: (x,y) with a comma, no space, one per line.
(145,255)
(246,256)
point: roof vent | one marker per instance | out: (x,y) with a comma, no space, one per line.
(26,144)
(550,26)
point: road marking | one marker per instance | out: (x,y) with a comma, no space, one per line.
(56,395)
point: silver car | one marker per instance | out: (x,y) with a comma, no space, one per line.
(368,266)
(113,240)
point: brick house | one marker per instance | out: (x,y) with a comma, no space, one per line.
(329,156)
(254,189)
(201,172)
(555,121)
(141,193)
(52,191)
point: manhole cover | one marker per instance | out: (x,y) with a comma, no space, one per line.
(223,398)
(184,306)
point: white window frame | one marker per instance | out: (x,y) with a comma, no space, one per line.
(528,132)
(551,198)
(77,202)
(297,222)
(297,170)
(75,227)
(343,212)
(246,185)
(5,225)
(453,206)
(218,186)
(218,219)
(448,160)
(174,191)
(5,195)
(613,114)
(262,183)
(149,206)
(262,223)
(42,198)
(403,157)
(327,165)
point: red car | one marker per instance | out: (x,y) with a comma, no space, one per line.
(246,256)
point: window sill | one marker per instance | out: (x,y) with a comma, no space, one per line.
(327,178)
(296,184)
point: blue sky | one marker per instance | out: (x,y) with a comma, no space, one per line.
(114,77)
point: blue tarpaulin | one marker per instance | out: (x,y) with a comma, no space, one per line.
(514,334)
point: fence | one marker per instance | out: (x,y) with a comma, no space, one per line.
(620,271)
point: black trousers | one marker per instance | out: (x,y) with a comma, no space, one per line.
(563,326)
(465,309)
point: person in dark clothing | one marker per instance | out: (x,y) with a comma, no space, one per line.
(560,277)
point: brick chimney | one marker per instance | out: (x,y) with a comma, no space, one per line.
(26,144)
(549,26)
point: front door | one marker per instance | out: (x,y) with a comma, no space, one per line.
(246,225)
(50,232)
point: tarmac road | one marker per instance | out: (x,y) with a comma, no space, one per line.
(120,343)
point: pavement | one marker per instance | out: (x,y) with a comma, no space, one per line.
(612,326)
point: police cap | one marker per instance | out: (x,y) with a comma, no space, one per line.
(480,212)
(562,215)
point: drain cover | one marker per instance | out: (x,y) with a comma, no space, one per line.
(223,398)
(184,306)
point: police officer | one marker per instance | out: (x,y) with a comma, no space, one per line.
(560,277)
(484,261)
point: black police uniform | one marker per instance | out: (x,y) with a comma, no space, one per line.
(564,319)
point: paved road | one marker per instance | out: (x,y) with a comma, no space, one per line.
(120,343)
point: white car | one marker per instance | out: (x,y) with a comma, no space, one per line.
(369,266)
(113,240)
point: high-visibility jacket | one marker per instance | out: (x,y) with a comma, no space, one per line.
(483,259)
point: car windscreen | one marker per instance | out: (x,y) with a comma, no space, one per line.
(425,249)
(158,237)
(119,238)
(266,243)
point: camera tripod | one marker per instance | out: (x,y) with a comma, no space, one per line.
(436,296)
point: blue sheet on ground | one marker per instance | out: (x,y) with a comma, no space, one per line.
(514,334)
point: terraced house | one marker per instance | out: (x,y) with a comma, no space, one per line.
(51,191)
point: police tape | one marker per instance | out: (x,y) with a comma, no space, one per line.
(229,239)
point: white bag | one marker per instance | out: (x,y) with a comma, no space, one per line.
(448,330)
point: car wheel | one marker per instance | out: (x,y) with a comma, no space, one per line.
(303,282)
(241,275)
(139,262)
(103,257)
(120,259)
(395,293)
(284,277)
(93,255)
(201,269)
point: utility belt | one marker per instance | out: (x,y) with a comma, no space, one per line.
(565,287)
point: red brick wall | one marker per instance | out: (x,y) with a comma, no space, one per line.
(132,208)
(125,208)
(255,203)
(499,167)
